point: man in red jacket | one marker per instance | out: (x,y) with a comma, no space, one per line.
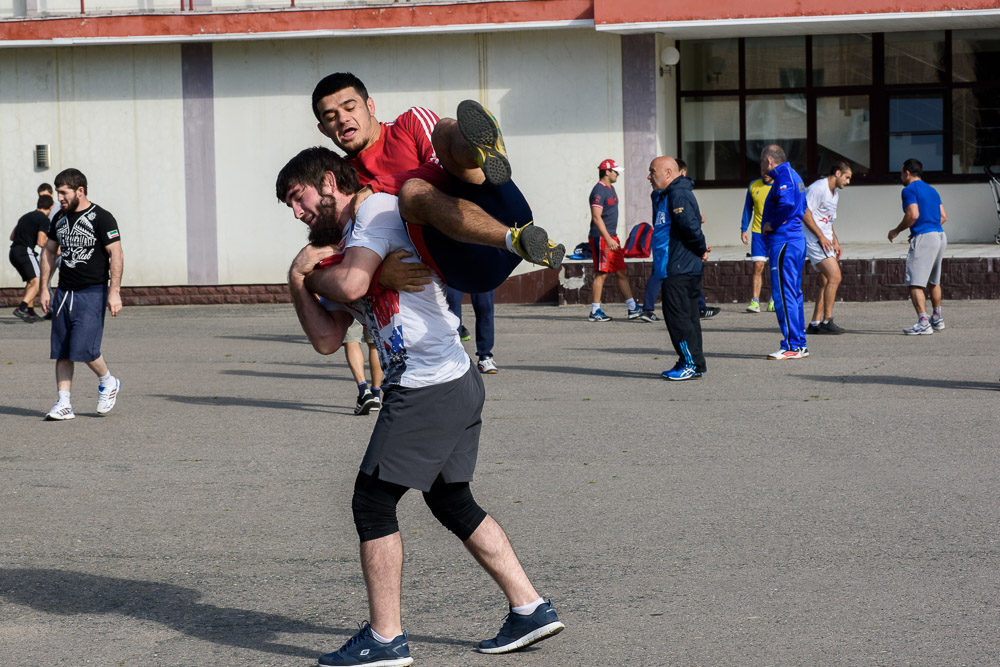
(467,219)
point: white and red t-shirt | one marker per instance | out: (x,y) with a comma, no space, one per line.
(823,205)
(415,332)
(403,151)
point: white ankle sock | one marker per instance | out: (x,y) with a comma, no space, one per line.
(630,304)
(594,307)
(64,397)
(528,609)
(379,638)
(106,380)
(509,240)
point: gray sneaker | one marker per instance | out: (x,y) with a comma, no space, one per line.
(937,323)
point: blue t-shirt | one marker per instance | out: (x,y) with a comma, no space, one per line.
(928,201)
(606,198)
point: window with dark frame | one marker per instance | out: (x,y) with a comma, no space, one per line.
(872,100)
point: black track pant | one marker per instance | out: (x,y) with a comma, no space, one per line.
(680,312)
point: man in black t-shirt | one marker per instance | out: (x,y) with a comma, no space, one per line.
(31,230)
(91,257)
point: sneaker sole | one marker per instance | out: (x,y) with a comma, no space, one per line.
(532,637)
(51,417)
(366,408)
(590,319)
(534,243)
(689,377)
(924,332)
(480,129)
(392,662)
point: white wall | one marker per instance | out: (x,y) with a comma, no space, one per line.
(114,113)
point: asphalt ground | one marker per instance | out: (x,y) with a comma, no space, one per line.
(837,510)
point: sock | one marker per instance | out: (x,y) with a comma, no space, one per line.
(528,609)
(630,303)
(922,317)
(23,307)
(755,300)
(509,241)
(362,388)
(594,307)
(379,638)
(31,311)
(106,380)
(64,397)
(826,321)
(937,312)
(814,323)
(376,391)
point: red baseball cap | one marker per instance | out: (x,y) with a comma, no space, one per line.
(610,164)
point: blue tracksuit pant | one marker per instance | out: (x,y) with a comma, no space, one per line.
(786,261)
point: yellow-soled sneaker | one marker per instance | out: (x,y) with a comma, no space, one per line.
(481,130)
(532,243)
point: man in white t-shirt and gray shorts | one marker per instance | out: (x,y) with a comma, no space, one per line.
(427,433)
(822,247)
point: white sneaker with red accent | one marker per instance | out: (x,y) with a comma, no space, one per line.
(60,412)
(797,353)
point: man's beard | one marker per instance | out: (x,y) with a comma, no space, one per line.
(326,231)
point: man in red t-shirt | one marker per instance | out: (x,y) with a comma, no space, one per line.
(466,218)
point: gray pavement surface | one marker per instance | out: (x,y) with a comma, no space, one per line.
(838,510)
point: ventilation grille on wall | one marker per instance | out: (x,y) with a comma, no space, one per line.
(41,156)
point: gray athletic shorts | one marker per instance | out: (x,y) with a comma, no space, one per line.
(427,431)
(923,261)
(357,333)
(815,252)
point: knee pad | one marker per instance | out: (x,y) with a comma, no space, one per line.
(456,509)
(374,507)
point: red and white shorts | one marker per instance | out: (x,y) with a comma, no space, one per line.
(607,260)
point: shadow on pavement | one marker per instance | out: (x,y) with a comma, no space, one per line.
(905,381)
(21,412)
(243,402)
(270,338)
(283,376)
(69,593)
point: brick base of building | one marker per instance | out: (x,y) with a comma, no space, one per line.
(863,280)
(724,282)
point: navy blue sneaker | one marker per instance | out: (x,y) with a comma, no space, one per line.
(520,630)
(681,372)
(364,649)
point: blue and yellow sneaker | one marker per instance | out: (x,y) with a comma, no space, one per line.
(521,630)
(364,649)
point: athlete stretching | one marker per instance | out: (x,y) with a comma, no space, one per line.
(467,220)
(427,433)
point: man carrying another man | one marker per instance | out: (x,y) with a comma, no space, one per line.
(427,433)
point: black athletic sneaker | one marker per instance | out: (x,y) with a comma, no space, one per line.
(366,403)
(830,328)
(464,334)
(710,311)
(481,130)
(814,329)
(26,315)
(521,630)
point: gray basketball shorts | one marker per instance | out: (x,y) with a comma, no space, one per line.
(358,333)
(424,432)
(923,261)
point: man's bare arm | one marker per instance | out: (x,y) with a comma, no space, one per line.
(347,281)
(114,251)
(909,218)
(598,222)
(810,222)
(48,259)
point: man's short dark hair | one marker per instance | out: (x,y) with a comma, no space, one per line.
(334,83)
(681,164)
(840,166)
(44,202)
(45,187)
(308,168)
(775,153)
(72,178)
(914,166)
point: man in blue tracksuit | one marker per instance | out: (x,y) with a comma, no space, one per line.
(678,250)
(781,229)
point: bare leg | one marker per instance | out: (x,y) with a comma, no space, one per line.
(936,296)
(918,299)
(598,287)
(830,270)
(820,298)
(454,152)
(757,279)
(382,563)
(623,286)
(99,366)
(355,361)
(375,366)
(31,291)
(491,549)
(64,374)
(421,203)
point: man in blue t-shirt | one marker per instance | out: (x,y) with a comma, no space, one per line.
(923,214)
(781,231)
